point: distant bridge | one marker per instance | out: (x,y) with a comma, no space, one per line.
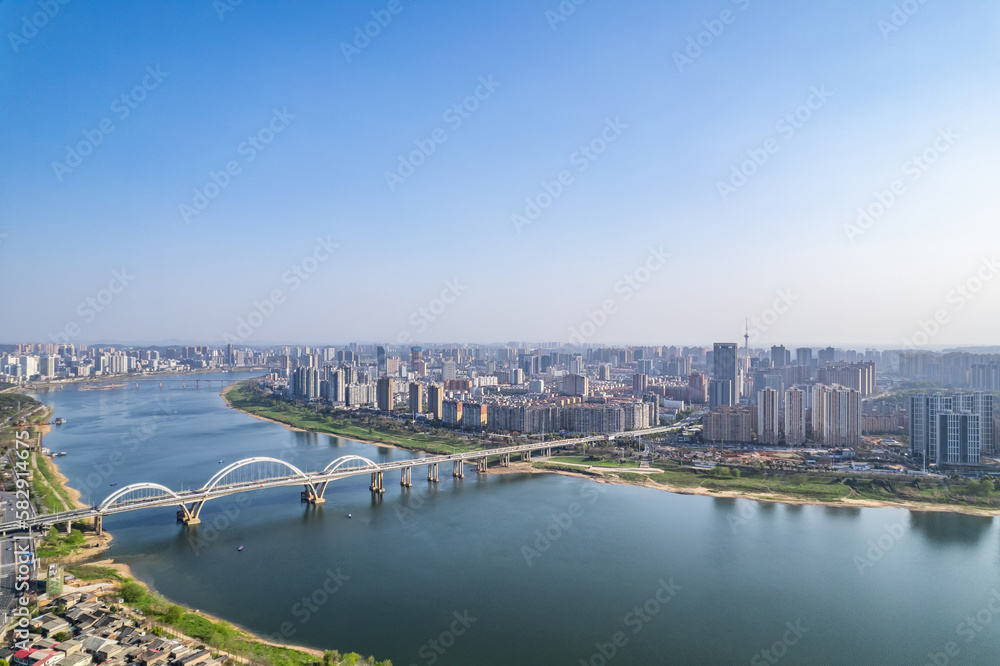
(262,472)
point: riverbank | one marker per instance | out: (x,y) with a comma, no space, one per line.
(805,488)
(302,420)
(85,549)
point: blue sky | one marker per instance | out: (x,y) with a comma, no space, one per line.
(888,95)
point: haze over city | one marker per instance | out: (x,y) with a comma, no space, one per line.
(689,164)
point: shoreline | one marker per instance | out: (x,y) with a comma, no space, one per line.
(230,405)
(126,570)
(602,477)
(96,546)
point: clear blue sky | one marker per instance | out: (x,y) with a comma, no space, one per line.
(887,95)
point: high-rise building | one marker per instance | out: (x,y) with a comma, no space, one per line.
(720,393)
(779,356)
(384,395)
(604,372)
(576,385)
(960,437)
(795,417)
(473,415)
(858,376)
(449,371)
(724,365)
(451,413)
(47,366)
(305,383)
(416,398)
(980,403)
(803,356)
(435,398)
(639,383)
(768,431)
(338,384)
(380,361)
(842,417)
(728,425)
(941,437)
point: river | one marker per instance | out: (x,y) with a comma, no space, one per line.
(519,568)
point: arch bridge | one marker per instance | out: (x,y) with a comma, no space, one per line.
(259,473)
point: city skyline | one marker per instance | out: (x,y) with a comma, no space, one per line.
(557,181)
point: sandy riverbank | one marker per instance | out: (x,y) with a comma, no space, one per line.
(95,546)
(125,571)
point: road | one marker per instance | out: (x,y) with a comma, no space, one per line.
(8,597)
(160,496)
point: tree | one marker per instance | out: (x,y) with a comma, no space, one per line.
(174,614)
(62,636)
(132,592)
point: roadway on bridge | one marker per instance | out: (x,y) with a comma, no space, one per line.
(311,480)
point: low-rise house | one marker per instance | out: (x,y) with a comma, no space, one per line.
(70,647)
(53,627)
(108,652)
(76,659)
(91,644)
(152,658)
(32,657)
(194,658)
(86,621)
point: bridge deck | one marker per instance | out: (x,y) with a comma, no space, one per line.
(204,494)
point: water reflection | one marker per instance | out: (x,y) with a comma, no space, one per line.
(942,527)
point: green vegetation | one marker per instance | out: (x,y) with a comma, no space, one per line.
(631,477)
(553,467)
(222,635)
(833,487)
(9,402)
(52,493)
(249,397)
(597,462)
(86,572)
(57,545)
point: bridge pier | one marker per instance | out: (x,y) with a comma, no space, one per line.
(377,486)
(458,469)
(526,456)
(481,465)
(406,479)
(505,460)
(98,524)
(432,473)
(308,495)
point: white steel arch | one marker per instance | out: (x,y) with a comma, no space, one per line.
(250,461)
(336,464)
(136,486)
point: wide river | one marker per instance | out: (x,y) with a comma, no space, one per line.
(532,569)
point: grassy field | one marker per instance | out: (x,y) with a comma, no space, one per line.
(87,572)
(53,494)
(248,398)
(597,462)
(829,487)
